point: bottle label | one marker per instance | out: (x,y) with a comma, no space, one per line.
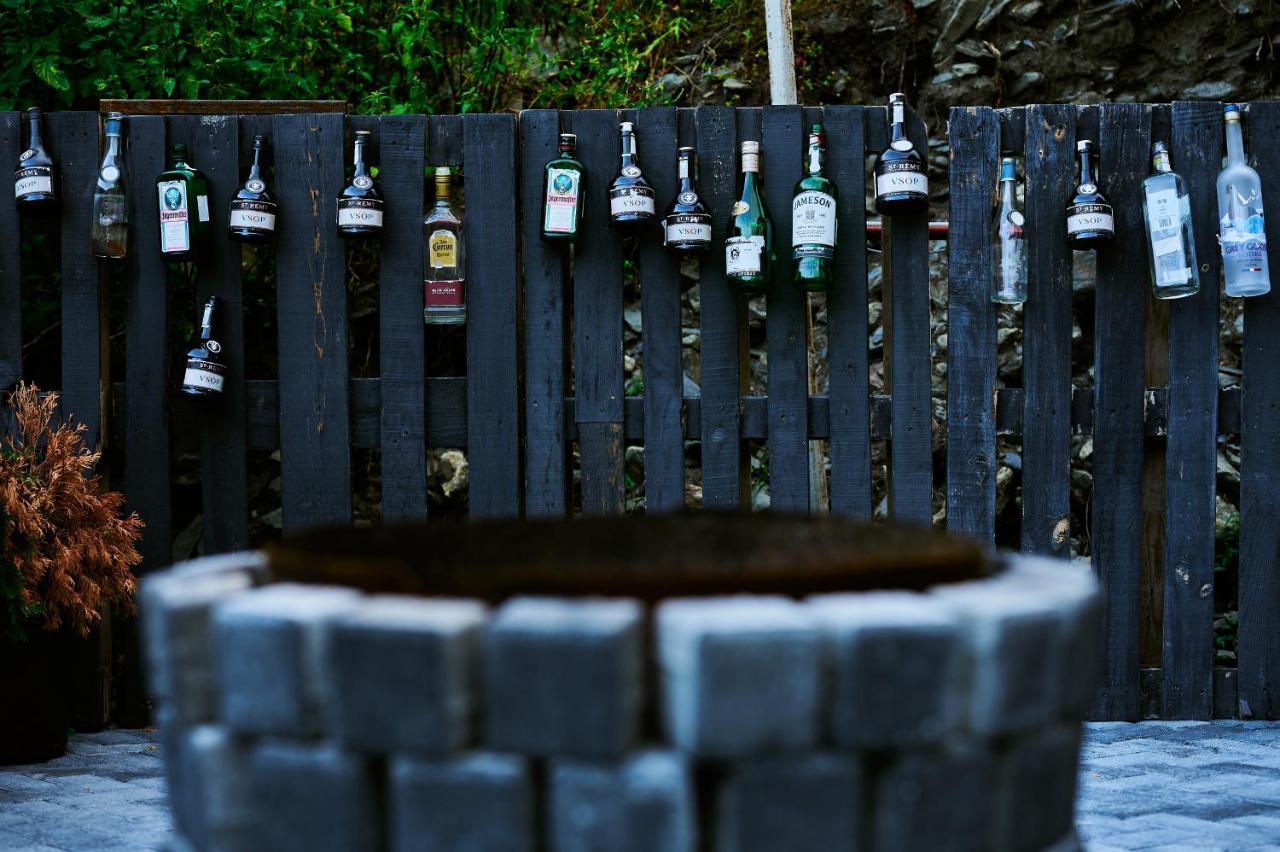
(204,375)
(904,177)
(1090,217)
(110,174)
(632,199)
(742,255)
(32,181)
(366,212)
(1163,209)
(561,209)
(255,215)
(444,294)
(202,206)
(443,249)
(813,224)
(1244,253)
(175,219)
(687,228)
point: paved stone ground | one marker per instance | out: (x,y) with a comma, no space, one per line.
(1152,786)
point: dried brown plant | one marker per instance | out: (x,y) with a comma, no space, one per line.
(65,547)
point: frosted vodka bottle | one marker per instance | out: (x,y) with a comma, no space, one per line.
(1241,232)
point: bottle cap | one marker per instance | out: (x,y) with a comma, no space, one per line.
(897,98)
(443,172)
(816,129)
(626,127)
(179,149)
(115,116)
(260,139)
(751,147)
(686,149)
(569,138)
(1084,145)
(364,133)
(33,110)
(1231,111)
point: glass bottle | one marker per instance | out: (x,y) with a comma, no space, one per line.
(35,180)
(902,180)
(687,225)
(184,207)
(445,289)
(566,193)
(205,374)
(748,245)
(251,215)
(1009,241)
(631,203)
(1090,222)
(109,227)
(1241,233)
(1166,209)
(360,205)
(813,219)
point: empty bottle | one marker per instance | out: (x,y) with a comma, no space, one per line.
(1241,233)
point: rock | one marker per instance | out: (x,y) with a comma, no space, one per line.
(993,10)
(633,319)
(1211,90)
(733,84)
(673,84)
(1025,81)
(1026,11)
(964,69)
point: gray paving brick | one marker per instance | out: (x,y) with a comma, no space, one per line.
(740,675)
(931,799)
(894,668)
(217,781)
(564,677)
(1035,788)
(482,802)
(801,804)
(643,803)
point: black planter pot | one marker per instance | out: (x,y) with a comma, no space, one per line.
(33,712)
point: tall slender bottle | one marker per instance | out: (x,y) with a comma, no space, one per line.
(813,219)
(631,203)
(109,228)
(687,225)
(1166,209)
(748,245)
(901,175)
(206,373)
(1090,222)
(1009,241)
(1241,232)
(566,193)
(35,180)
(184,207)
(445,294)
(360,205)
(251,215)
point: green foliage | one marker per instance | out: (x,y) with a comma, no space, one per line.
(1227,545)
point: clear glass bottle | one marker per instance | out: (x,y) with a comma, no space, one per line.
(1166,209)
(631,203)
(1090,221)
(35,180)
(813,219)
(251,215)
(360,205)
(109,228)
(901,175)
(1241,233)
(205,374)
(687,225)
(566,193)
(184,207)
(445,294)
(1009,241)
(748,245)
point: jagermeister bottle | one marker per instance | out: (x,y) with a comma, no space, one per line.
(205,373)
(1090,221)
(35,180)
(813,219)
(687,225)
(566,192)
(748,245)
(360,205)
(631,203)
(184,207)
(109,228)
(444,287)
(251,215)
(901,176)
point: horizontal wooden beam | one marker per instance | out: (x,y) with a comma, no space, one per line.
(175,107)
(1226,693)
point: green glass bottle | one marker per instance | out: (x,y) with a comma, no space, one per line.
(748,245)
(566,192)
(183,194)
(813,219)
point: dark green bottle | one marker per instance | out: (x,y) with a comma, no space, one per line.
(184,207)
(565,193)
(813,219)
(748,245)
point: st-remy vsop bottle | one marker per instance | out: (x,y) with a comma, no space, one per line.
(902,180)
(1009,241)
(1166,208)
(687,225)
(631,203)
(1090,221)
(1241,233)
(748,245)
(566,192)
(813,219)
(360,205)
(205,374)
(444,291)
(251,215)
(109,227)
(184,207)
(35,180)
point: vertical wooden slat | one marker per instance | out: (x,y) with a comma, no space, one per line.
(315,445)
(1046,362)
(785,327)
(11,132)
(908,372)
(971,325)
(848,386)
(1191,456)
(1124,153)
(545,342)
(402,148)
(493,412)
(1259,638)
(660,314)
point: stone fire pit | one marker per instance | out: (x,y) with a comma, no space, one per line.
(699,682)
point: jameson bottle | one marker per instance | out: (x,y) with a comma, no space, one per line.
(109,227)
(359,205)
(813,219)
(1166,209)
(184,207)
(1009,241)
(748,245)
(687,225)
(444,288)
(1241,232)
(902,182)
(566,190)
(205,374)
(631,203)
(35,180)
(1090,222)
(251,215)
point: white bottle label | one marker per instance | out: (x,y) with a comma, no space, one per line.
(1243,254)
(688,228)
(561,208)
(252,214)
(198,376)
(742,255)
(360,211)
(1090,217)
(31,181)
(813,219)
(902,177)
(632,199)
(1163,209)
(175,222)
(202,205)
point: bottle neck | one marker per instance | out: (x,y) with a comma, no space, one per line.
(1008,191)
(34,142)
(206,322)
(1160,163)
(113,143)
(898,131)
(686,173)
(1086,169)
(361,169)
(442,191)
(816,155)
(628,149)
(1235,141)
(255,168)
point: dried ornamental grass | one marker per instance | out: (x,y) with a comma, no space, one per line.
(65,548)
